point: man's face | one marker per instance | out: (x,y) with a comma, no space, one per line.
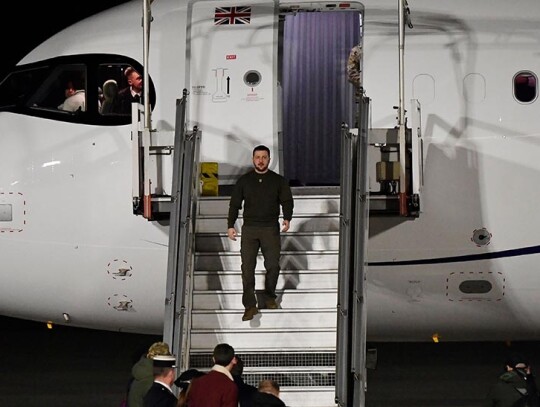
(261,159)
(70,90)
(135,81)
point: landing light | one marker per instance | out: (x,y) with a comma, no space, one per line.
(49,325)
(435,337)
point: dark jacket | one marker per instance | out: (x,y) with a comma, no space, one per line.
(262,195)
(245,392)
(261,399)
(123,102)
(143,378)
(510,388)
(159,396)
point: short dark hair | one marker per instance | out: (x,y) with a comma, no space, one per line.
(268,385)
(261,147)
(515,359)
(238,368)
(223,354)
(161,371)
(129,70)
(75,81)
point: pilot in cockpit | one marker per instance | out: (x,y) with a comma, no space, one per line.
(75,96)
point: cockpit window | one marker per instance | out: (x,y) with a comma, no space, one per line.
(64,89)
(19,86)
(90,89)
(525,86)
(121,86)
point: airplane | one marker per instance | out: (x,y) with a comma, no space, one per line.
(463,267)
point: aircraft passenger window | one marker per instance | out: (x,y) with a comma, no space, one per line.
(474,88)
(525,86)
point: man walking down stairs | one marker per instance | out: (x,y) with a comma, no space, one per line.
(263,192)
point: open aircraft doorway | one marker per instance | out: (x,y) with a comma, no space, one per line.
(314,44)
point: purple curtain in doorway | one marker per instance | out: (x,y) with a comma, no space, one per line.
(317,97)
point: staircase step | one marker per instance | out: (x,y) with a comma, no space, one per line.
(309,397)
(300,223)
(312,260)
(288,279)
(290,241)
(256,361)
(268,319)
(288,299)
(270,338)
(302,204)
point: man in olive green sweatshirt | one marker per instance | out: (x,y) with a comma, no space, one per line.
(262,192)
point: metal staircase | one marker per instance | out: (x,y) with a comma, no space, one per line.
(314,346)
(294,345)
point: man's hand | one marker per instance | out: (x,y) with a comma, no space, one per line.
(231,233)
(286,225)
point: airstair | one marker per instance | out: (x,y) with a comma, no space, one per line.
(314,345)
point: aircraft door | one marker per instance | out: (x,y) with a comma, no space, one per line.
(232,82)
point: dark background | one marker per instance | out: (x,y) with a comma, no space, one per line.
(23,26)
(65,366)
(75,367)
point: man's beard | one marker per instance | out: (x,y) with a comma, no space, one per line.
(261,167)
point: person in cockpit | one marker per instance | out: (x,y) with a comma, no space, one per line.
(75,96)
(133,93)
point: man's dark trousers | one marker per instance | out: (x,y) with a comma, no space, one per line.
(268,240)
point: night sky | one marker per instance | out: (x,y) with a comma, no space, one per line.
(26,25)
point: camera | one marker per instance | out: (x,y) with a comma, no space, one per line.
(521,371)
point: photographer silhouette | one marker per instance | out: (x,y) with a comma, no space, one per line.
(516,387)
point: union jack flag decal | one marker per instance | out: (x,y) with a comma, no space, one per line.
(232,15)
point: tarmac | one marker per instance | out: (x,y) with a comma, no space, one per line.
(65,366)
(76,367)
